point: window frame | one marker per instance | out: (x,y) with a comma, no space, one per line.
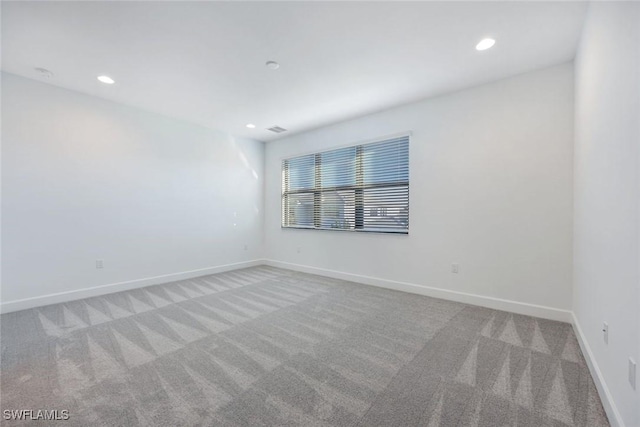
(317,192)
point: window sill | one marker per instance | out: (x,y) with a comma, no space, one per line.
(370,231)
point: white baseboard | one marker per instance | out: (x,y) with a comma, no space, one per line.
(489,302)
(23,304)
(615,419)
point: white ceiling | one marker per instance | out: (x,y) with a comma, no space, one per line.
(204,61)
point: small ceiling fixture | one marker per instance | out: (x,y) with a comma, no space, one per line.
(106,80)
(485,44)
(43,72)
(277,129)
(272,65)
(251,125)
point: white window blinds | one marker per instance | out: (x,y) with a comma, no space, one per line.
(359,188)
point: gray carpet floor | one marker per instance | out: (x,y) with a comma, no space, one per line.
(270,347)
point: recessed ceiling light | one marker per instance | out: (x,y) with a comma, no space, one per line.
(106,79)
(485,44)
(272,65)
(251,125)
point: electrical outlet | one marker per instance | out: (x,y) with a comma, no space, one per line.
(99,263)
(605,332)
(632,373)
(298,249)
(455,268)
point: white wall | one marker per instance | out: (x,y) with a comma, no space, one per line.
(491,189)
(607,189)
(86,179)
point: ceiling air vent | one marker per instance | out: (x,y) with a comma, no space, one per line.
(277,129)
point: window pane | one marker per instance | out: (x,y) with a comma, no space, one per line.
(337,209)
(386,208)
(386,162)
(338,167)
(299,173)
(298,210)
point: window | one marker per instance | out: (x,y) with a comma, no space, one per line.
(359,188)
